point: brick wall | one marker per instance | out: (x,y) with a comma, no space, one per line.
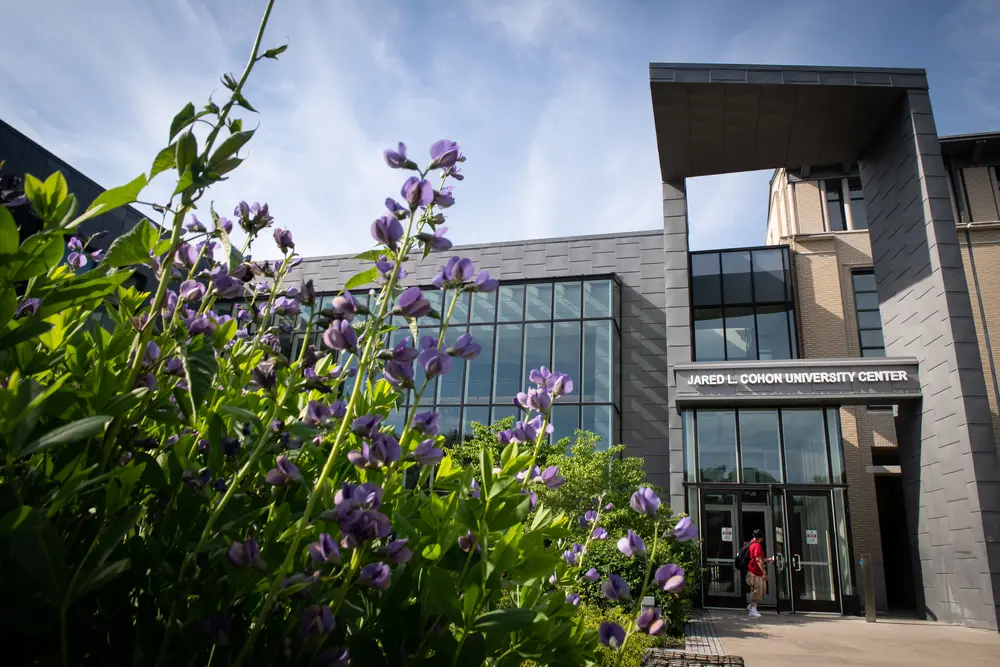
(979,190)
(986,253)
(808,207)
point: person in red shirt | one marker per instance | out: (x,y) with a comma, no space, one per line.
(757,572)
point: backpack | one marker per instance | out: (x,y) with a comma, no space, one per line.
(742,560)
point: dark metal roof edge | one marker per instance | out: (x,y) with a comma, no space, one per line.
(919,71)
(796,363)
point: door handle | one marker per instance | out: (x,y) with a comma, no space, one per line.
(797,562)
(779,561)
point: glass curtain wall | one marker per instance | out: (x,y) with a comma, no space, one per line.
(572,326)
(742,305)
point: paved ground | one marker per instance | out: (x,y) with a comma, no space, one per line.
(793,640)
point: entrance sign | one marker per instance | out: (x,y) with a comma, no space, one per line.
(815,381)
(811,537)
(727,534)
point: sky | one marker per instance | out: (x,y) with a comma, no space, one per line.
(549,99)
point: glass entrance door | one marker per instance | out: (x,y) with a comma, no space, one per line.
(812,557)
(719,534)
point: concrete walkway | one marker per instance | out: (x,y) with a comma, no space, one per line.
(793,640)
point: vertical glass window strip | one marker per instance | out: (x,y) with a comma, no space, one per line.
(565,421)
(709,335)
(736,282)
(507,372)
(567,301)
(769,276)
(687,429)
(501,411)
(804,437)
(834,205)
(511,306)
(843,545)
(869,319)
(460,312)
(706,279)
(598,419)
(538,301)
(716,433)
(597,361)
(760,446)
(537,341)
(859,212)
(479,371)
(597,299)
(566,355)
(449,389)
(450,424)
(836,444)
(741,337)
(478,414)
(772,333)
(483,308)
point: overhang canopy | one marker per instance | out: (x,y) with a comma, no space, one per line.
(718,119)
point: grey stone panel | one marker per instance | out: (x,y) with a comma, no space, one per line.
(947,450)
(636,258)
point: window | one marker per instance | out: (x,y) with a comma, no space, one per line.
(869,320)
(859,213)
(717,445)
(835,217)
(742,305)
(804,433)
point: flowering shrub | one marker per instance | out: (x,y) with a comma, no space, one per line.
(175,489)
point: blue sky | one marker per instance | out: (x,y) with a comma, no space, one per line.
(548,98)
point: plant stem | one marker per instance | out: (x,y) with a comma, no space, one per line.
(645,584)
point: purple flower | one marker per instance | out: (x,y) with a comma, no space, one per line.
(467,542)
(286,306)
(535,399)
(532,497)
(403,352)
(245,554)
(325,550)
(436,242)
(26,308)
(376,575)
(283,473)
(426,453)
(385,268)
(417,192)
(535,472)
(169,305)
(317,413)
(598,534)
(224,223)
(465,347)
(632,545)
(366,426)
(474,489)
(317,620)
(397,158)
(611,635)
(383,450)
(341,336)
(174,366)
(187,255)
(457,271)
(77,260)
(588,517)
(334,657)
(539,376)
(426,423)
(591,575)
(649,622)
(198,324)
(398,374)
(455,172)
(264,374)
(396,552)
(444,154)
(551,477)
(559,384)
(670,578)
(345,305)
(483,283)
(194,225)
(97,255)
(227,286)
(536,424)
(387,230)
(338,409)
(685,530)
(152,354)
(434,361)
(554,578)
(74,245)
(570,557)
(645,501)
(444,198)
(412,303)
(283,238)
(573,599)
(148,381)
(503,437)
(615,588)
(609,507)
(191,290)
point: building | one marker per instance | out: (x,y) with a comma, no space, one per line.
(835,387)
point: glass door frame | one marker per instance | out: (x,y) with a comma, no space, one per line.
(836,606)
(735,599)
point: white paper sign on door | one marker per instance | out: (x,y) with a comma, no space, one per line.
(811,537)
(727,534)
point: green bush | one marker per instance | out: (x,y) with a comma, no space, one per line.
(639,644)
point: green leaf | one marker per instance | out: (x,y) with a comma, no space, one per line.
(56,190)
(370,255)
(125,402)
(41,557)
(8,232)
(31,328)
(505,620)
(186,181)
(183,118)
(469,598)
(165,160)
(133,246)
(442,594)
(111,199)
(34,190)
(228,148)
(187,149)
(242,101)
(486,467)
(431,551)
(226,166)
(275,52)
(14,518)
(72,432)
(39,253)
(200,367)
(363,278)
(242,413)
(227,248)
(82,290)
(103,576)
